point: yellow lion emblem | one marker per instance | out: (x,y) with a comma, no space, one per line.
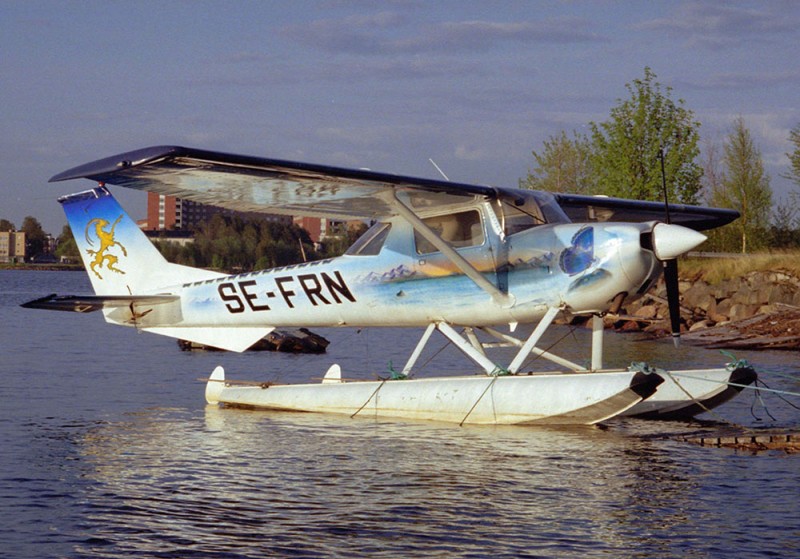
(104,233)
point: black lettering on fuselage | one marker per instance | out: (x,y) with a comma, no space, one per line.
(337,289)
(250,297)
(313,288)
(286,293)
(230,297)
(318,289)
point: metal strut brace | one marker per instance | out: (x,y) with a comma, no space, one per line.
(418,350)
(512,341)
(489,367)
(530,343)
(597,342)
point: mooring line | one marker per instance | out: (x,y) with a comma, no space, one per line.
(763,405)
(485,390)
(699,403)
(778,393)
(370,398)
(738,385)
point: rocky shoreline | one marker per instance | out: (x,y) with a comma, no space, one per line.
(760,310)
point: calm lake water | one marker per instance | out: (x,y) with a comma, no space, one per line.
(109,450)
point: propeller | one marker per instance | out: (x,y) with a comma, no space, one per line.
(668,243)
(671,264)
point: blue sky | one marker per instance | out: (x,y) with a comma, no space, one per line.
(474,85)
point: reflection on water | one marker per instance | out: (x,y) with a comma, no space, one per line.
(110,451)
(256,484)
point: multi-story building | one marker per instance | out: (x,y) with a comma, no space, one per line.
(12,246)
(168,213)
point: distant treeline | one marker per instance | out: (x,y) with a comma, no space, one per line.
(235,244)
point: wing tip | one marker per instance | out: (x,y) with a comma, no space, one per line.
(115,163)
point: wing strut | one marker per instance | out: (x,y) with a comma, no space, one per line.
(503,299)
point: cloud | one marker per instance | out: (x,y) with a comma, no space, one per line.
(386,33)
(360,34)
(743,80)
(715,25)
(479,35)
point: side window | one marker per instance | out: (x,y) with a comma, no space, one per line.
(371,242)
(463,229)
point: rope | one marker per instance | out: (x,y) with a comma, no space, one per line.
(778,393)
(645,368)
(759,399)
(751,387)
(699,403)
(485,390)
(368,399)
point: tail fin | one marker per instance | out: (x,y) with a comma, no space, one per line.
(118,256)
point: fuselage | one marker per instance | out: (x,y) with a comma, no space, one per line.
(392,276)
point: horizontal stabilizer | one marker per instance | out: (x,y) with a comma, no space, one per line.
(229,338)
(91,303)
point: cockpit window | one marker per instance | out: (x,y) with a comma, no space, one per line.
(462,229)
(371,242)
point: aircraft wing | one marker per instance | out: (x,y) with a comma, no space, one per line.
(255,184)
(599,208)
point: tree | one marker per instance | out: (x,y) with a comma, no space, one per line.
(745,187)
(563,166)
(794,157)
(66,246)
(784,231)
(6,225)
(35,236)
(236,244)
(625,150)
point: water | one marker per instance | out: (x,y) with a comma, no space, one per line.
(108,450)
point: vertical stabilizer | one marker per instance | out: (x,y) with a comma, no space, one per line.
(118,256)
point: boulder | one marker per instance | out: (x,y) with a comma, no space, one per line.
(700,325)
(647,312)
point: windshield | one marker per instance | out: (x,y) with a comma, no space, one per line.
(371,242)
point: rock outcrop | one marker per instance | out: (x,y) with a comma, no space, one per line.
(757,310)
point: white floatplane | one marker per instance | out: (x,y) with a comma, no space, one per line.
(452,258)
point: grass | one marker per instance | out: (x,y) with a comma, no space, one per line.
(716,270)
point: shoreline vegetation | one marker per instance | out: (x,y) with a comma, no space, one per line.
(735,301)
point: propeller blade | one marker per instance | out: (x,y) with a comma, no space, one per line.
(673,299)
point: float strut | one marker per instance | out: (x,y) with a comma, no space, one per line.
(530,343)
(597,342)
(418,350)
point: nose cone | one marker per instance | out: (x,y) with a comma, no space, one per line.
(670,241)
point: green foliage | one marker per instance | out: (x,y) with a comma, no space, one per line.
(794,156)
(743,186)
(66,246)
(6,225)
(784,232)
(238,245)
(625,148)
(343,237)
(564,165)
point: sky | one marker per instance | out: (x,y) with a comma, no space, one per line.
(474,85)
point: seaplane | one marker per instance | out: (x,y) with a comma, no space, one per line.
(464,261)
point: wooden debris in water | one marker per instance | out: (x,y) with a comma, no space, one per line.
(788,442)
